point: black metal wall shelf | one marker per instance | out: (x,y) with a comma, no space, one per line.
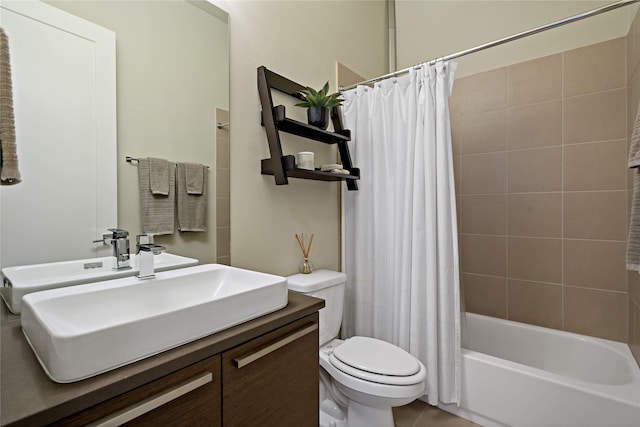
(274,120)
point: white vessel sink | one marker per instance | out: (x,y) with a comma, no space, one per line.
(24,279)
(81,331)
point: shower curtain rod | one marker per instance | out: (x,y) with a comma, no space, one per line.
(578,17)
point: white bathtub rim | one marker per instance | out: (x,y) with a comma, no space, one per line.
(620,393)
(617,346)
(564,396)
(626,392)
(620,349)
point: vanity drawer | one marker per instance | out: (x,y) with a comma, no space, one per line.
(273,380)
(189,397)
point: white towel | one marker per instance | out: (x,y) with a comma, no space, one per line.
(633,242)
(192,208)
(9,172)
(156,211)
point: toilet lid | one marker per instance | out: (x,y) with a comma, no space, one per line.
(376,357)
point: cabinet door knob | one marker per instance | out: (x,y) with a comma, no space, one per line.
(147,405)
(270,348)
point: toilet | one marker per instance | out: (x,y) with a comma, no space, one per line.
(361,378)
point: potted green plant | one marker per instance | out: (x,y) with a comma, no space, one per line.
(318,103)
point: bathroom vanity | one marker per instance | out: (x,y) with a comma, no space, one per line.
(255,373)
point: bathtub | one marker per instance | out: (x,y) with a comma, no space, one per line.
(516,374)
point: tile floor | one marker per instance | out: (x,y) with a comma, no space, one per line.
(420,414)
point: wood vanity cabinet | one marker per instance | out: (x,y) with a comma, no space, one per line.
(188,397)
(271,380)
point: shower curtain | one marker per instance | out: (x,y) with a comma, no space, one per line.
(400,230)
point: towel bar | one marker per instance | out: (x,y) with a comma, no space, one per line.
(130,159)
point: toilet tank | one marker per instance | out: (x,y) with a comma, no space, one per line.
(328,285)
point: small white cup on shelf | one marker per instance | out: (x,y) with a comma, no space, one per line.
(305,160)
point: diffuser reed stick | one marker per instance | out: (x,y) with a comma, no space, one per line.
(306,267)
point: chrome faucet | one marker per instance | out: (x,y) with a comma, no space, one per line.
(119,239)
(142,239)
(145,261)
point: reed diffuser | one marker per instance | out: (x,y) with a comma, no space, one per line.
(305,267)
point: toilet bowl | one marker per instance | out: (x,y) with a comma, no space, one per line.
(373,390)
(363,378)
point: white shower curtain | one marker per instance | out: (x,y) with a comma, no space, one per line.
(400,230)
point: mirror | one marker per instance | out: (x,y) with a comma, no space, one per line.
(172,79)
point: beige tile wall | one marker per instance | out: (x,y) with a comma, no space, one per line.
(633,95)
(540,151)
(223,205)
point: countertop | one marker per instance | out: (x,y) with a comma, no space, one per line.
(28,397)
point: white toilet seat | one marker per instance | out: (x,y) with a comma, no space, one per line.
(377,361)
(413,387)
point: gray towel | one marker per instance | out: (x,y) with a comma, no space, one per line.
(156,211)
(9,172)
(634,150)
(192,208)
(159,179)
(633,242)
(194,176)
